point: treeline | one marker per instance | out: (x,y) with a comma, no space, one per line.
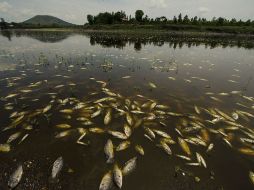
(120,17)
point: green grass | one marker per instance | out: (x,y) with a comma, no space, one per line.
(169,27)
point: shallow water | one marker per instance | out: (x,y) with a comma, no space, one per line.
(77,68)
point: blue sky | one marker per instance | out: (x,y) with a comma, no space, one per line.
(75,11)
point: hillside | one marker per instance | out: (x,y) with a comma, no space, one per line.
(46,20)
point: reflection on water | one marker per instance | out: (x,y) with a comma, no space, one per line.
(163,113)
(121,40)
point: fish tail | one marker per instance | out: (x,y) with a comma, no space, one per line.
(110,160)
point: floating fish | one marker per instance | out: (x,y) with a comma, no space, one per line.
(129,166)
(63,126)
(118,176)
(140,150)
(166,148)
(127,130)
(108,117)
(117,134)
(15,177)
(13,137)
(251,175)
(184,146)
(123,145)
(57,167)
(152,85)
(201,160)
(5,148)
(108,150)
(106,181)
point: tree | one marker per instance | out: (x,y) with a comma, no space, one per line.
(119,16)
(104,18)
(175,20)
(186,19)
(90,19)
(138,15)
(195,20)
(3,24)
(220,21)
(180,20)
(233,21)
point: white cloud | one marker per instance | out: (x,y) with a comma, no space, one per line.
(4,7)
(203,10)
(158,4)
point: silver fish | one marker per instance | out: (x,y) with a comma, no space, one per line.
(106,181)
(57,167)
(129,166)
(108,150)
(15,177)
(118,176)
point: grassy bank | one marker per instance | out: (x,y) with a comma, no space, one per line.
(179,28)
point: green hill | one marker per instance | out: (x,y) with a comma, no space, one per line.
(46,20)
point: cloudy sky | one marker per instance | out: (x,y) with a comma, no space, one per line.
(75,11)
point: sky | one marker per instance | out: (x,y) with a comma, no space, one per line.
(75,11)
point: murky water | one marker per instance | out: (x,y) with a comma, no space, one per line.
(199,92)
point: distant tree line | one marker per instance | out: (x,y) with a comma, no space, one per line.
(120,17)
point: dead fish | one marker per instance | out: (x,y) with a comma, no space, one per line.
(63,134)
(118,176)
(168,141)
(197,110)
(152,85)
(140,150)
(66,111)
(193,164)
(57,167)
(123,145)
(251,175)
(127,130)
(183,157)
(97,113)
(129,166)
(10,96)
(184,146)
(210,147)
(247,151)
(118,135)
(23,138)
(108,117)
(46,109)
(15,177)
(235,116)
(200,159)
(96,130)
(109,151)
(162,133)
(63,126)
(129,119)
(126,77)
(166,148)
(13,137)
(149,132)
(162,107)
(104,99)
(5,148)
(227,142)
(171,78)
(59,86)
(106,181)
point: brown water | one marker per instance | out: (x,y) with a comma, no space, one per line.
(209,75)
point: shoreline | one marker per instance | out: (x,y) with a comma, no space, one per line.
(138,31)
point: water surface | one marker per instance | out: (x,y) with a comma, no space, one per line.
(202,85)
